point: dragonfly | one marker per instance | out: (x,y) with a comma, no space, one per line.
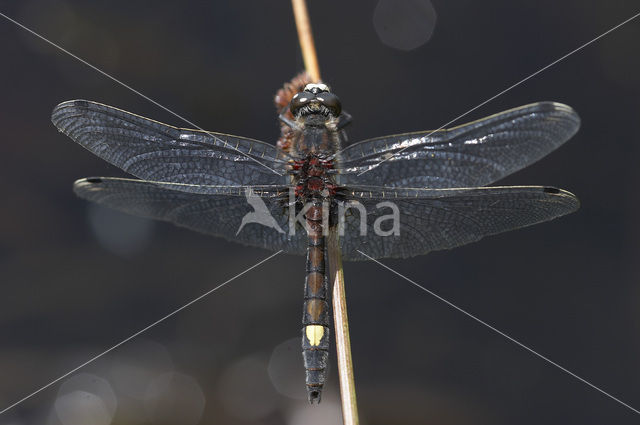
(395,196)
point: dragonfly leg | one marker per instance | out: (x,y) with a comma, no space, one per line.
(283,117)
(345,120)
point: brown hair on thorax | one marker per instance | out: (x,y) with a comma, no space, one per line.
(282,99)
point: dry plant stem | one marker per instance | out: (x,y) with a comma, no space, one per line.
(306,39)
(343,342)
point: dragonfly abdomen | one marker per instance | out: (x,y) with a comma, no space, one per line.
(315,316)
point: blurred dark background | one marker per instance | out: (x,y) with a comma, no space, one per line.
(76,279)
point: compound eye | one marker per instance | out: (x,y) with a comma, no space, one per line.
(331,101)
(299,100)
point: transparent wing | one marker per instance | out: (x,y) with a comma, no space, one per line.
(259,220)
(435,219)
(154,151)
(473,154)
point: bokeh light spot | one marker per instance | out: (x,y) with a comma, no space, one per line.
(404,24)
(174,398)
(85,399)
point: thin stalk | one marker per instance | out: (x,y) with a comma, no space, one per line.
(305,38)
(343,341)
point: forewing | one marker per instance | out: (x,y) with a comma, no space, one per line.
(473,154)
(224,215)
(430,220)
(154,151)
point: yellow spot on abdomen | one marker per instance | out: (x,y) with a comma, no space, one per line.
(314,334)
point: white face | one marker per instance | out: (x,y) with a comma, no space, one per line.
(319,87)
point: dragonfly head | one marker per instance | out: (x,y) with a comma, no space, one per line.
(315,99)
